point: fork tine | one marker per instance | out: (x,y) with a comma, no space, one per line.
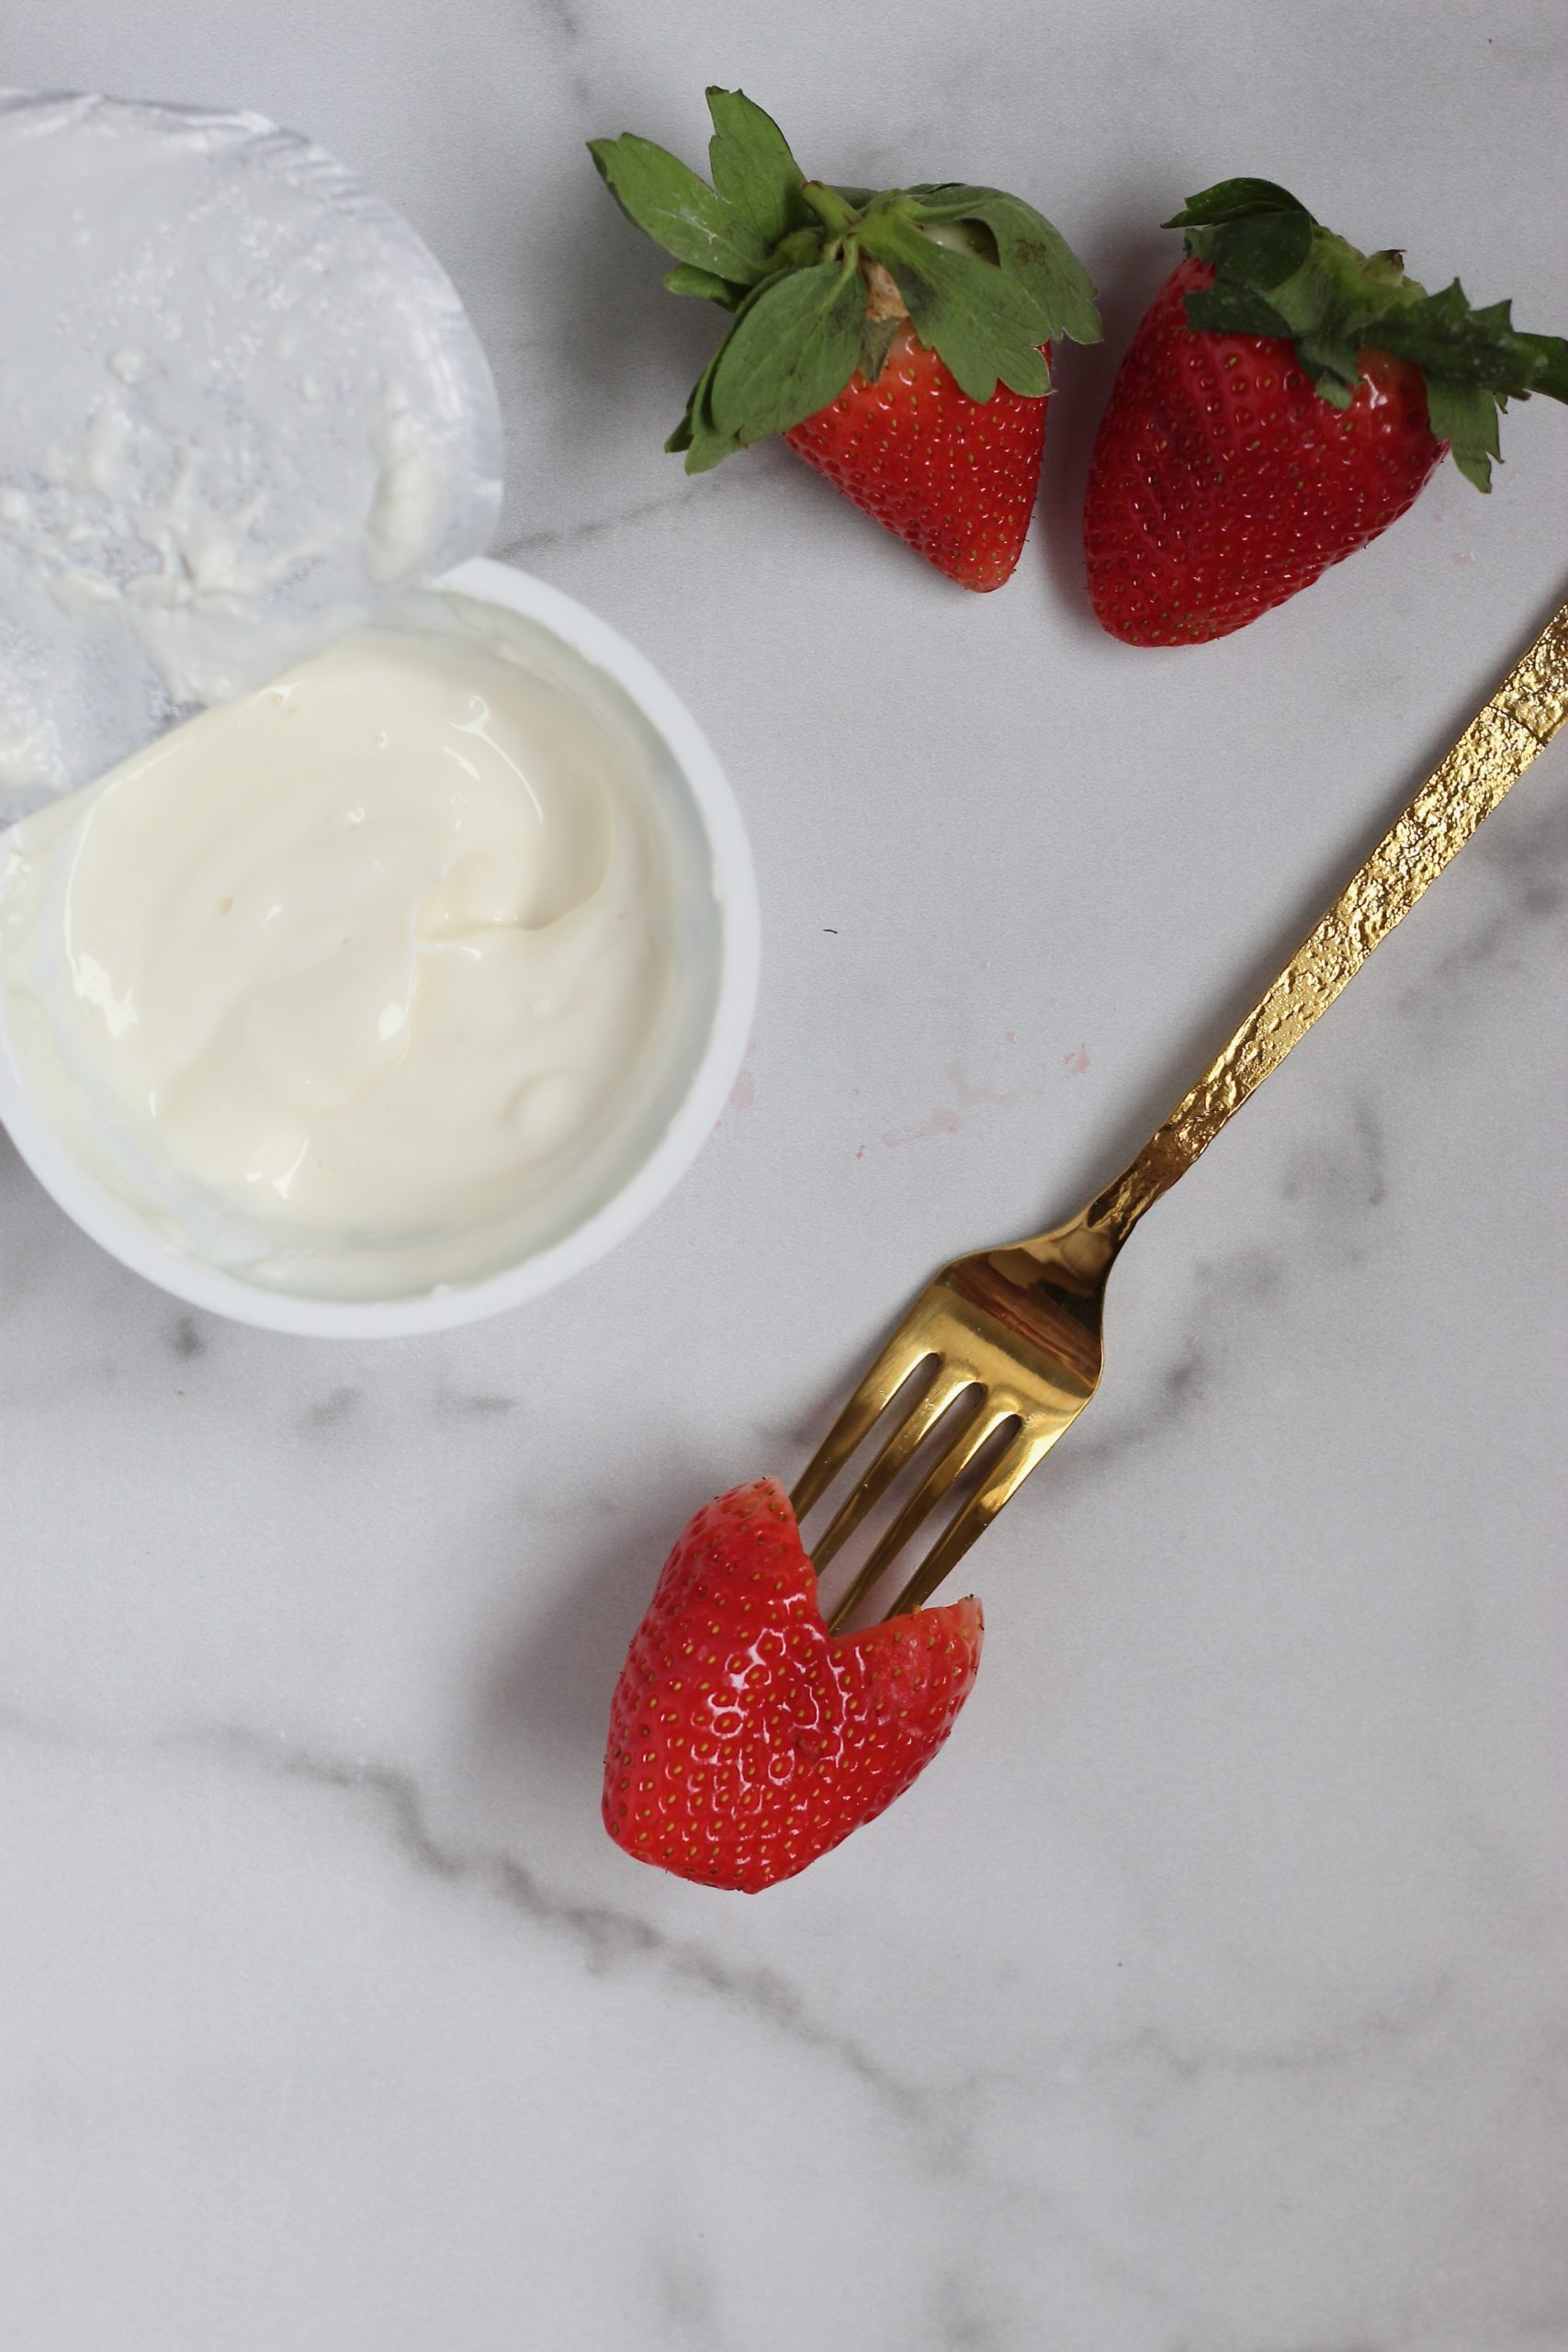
(972,1440)
(893,1367)
(944,1389)
(1007,1477)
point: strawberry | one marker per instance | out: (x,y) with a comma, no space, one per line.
(900,341)
(1284,400)
(745,1739)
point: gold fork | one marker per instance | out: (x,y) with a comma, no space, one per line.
(1003,1348)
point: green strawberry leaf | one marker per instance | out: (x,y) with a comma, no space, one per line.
(1334,366)
(791,258)
(752,168)
(876,342)
(672,205)
(684,280)
(704,446)
(701,439)
(1226,309)
(1263,248)
(792,353)
(685,431)
(707,448)
(800,248)
(1250,230)
(1449,340)
(981,323)
(1278,272)
(1233,201)
(1466,418)
(1028,248)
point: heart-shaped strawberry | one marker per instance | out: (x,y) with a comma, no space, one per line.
(745,1739)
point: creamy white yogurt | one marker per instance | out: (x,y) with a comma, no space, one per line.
(360,984)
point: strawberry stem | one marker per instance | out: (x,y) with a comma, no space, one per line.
(830,207)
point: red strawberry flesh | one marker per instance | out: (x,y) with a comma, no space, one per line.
(745,1739)
(1221,483)
(955,479)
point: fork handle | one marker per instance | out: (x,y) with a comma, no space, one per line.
(1497,746)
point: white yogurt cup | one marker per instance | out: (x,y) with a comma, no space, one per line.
(723,991)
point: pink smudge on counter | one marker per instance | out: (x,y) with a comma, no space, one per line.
(942,1121)
(968,1095)
(975,1098)
(743,1093)
(945,1120)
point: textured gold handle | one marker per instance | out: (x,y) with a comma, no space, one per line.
(1495,750)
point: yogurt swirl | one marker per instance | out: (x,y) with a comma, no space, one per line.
(365,967)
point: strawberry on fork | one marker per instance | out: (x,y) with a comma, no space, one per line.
(745,1739)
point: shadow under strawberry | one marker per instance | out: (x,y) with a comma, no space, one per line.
(539,1710)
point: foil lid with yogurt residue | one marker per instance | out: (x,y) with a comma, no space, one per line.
(240,405)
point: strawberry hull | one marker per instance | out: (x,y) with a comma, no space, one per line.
(1221,483)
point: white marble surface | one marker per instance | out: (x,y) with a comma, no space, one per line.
(1205,1996)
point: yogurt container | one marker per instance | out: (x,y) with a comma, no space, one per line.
(406,957)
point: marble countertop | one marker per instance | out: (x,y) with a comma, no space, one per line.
(1205,1995)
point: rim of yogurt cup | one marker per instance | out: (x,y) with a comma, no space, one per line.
(117,1229)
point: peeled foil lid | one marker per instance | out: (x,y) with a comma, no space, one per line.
(240,404)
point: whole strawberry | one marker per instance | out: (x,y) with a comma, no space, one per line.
(899,340)
(1282,403)
(745,1739)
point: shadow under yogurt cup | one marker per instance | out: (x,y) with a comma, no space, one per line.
(161,1226)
